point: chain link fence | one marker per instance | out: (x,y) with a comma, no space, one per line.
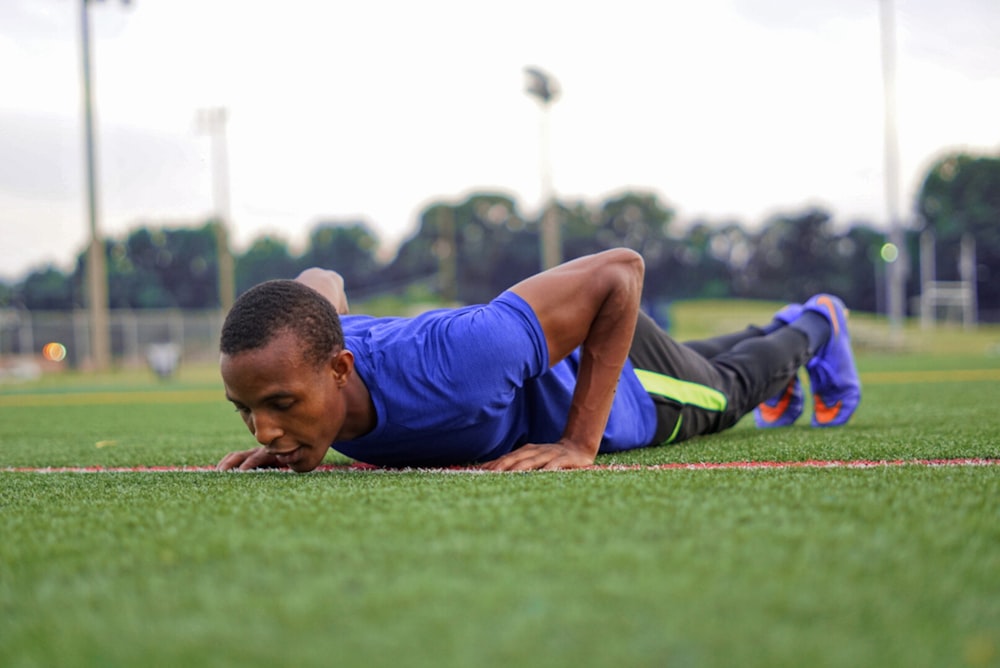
(134,334)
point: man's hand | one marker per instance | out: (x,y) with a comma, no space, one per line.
(246,460)
(545,457)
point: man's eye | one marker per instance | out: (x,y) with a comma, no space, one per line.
(284,405)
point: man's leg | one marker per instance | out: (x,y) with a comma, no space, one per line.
(713,347)
(745,369)
(709,348)
(785,407)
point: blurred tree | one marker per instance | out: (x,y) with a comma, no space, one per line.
(860,276)
(581,230)
(472,250)
(193,276)
(961,195)
(694,270)
(638,220)
(635,218)
(495,247)
(164,268)
(267,258)
(795,257)
(347,248)
(416,258)
(732,246)
(46,289)
(133,271)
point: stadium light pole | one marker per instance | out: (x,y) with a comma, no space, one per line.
(895,256)
(97,271)
(213,123)
(544,88)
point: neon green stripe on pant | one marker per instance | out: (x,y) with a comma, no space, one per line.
(683,392)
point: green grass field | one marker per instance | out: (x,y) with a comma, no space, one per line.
(888,566)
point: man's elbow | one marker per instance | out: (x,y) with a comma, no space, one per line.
(318,274)
(328,283)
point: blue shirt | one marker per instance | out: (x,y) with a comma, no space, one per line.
(466,385)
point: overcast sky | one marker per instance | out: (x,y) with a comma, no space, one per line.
(728,109)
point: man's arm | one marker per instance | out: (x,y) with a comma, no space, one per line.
(328,283)
(591,302)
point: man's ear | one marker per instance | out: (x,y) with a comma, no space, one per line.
(342,366)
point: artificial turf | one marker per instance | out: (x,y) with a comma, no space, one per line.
(825,567)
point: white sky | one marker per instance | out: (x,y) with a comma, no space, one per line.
(728,109)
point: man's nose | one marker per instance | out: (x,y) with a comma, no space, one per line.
(265,430)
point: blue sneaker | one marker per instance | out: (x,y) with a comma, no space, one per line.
(781,410)
(788,313)
(836,386)
(785,408)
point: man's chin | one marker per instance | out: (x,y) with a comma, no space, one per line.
(303,459)
(303,464)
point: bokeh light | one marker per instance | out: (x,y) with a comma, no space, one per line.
(54,352)
(889,253)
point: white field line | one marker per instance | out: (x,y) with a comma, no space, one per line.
(699,466)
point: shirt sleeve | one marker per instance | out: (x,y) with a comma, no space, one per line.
(502,340)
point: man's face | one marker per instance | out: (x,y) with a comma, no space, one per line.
(293,408)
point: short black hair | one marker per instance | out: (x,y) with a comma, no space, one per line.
(273,307)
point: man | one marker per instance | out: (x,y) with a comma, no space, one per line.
(556,369)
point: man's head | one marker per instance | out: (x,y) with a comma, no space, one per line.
(286,371)
(274,307)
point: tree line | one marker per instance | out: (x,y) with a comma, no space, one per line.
(471,250)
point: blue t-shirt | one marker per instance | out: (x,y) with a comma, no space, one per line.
(467,385)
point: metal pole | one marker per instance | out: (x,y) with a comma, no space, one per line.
(928,276)
(544,88)
(213,122)
(970,282)
(447,246)
(896,269)
(551,237)
(97,273)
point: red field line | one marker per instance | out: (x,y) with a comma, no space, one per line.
(699,466)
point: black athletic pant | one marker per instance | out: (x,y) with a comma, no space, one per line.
(701,387)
